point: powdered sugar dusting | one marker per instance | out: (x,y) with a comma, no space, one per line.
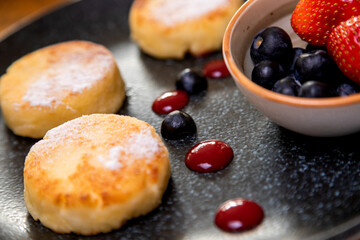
(142,145)
(171,12)
(69,132)
(112,162)
(71,74)
(117,146)
(110,140)
(138,145)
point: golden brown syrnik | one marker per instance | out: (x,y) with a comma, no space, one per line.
(93,173)
(171,28)
(58,83)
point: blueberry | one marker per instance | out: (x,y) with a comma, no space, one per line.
(318,66)
(310,48)
(295,55)
(316,89)
(288,86)
(346,89)
(177,125)
(191,81)
(266,73)
(271,43)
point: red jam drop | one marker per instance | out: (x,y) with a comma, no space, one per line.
(209,156)
(170,101)
(238,215)
(216,69)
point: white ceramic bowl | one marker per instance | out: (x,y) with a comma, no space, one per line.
(322,117)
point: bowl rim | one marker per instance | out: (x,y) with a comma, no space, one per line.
(240,78)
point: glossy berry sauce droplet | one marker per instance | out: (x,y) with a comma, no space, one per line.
(170,101)
(216,69)
(238,215)
(209,156)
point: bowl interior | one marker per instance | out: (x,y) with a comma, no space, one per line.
(255,16)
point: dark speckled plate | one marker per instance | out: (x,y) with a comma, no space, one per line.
(309,187)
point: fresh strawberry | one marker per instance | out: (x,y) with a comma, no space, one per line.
(344,47)
(313,20)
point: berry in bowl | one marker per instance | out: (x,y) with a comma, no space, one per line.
(294,68)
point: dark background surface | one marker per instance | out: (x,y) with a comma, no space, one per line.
(308,187)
